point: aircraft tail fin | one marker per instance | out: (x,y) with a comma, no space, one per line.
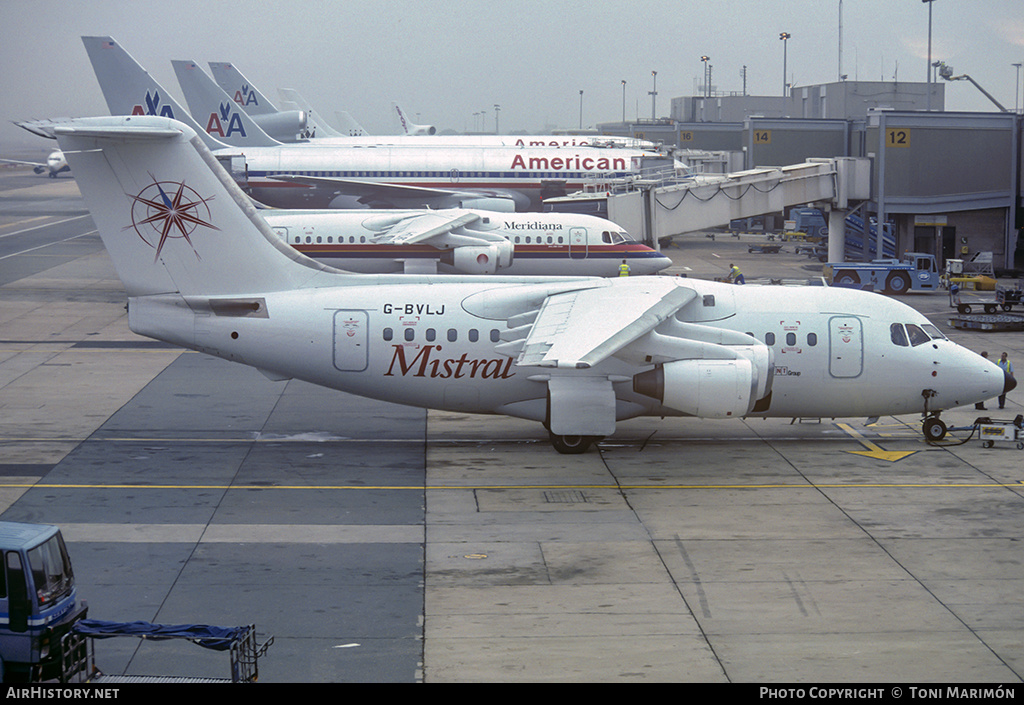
(172,219)
(130,90)
(410,128)
(243,92)
(315,121)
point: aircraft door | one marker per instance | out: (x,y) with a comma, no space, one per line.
(846,346)
(577,243)
(351,340)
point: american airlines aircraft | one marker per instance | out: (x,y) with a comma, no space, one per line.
(243,92)
(460,241)
(204,271)
(366,176)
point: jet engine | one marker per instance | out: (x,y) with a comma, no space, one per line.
(284,125)
(488,203)
(713,389)
(482,259)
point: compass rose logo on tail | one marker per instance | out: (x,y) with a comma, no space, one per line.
(169,210)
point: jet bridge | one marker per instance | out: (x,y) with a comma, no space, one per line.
(656,209)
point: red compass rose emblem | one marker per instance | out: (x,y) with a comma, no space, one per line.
(167,210)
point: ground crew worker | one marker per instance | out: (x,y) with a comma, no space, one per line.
(1007,367)
(735,275)
(624,269)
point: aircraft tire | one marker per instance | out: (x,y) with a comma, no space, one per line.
(897,283)
(934,429)
(572,445)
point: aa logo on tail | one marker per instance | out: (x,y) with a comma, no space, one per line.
(215,125)
(244,96)
(153,107)
(169,210)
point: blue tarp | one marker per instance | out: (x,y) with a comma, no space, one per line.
(210,637)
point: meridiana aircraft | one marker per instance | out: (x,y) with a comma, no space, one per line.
(460,241)
(243,92)
(362,176)
(55,164)
(202,270)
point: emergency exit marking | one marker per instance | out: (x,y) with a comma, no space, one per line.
(897,137)
(762,136)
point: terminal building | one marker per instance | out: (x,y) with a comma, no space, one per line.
(950,182)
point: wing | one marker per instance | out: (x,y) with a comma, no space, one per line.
(579,329)
(421,229)
(18,161)
(369,191)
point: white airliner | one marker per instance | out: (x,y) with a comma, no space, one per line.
(54,164)
(460,241)
(232,82)
(364,176)
(204,271)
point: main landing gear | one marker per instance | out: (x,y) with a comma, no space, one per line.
(572,445)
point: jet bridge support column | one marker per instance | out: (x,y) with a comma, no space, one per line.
(836,235)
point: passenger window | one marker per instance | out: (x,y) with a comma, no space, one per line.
(453,335)
(812,339)
(431,335)
(898,335)
(410,333)
(495,335)
(388,334)
(769,339)
(474,335)
(791,339)
(916,335)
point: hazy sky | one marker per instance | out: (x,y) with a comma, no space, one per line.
(446,61)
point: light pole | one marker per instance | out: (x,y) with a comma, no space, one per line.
(704,60)
(581,109)
(1016,88)
(654,97)
(497,109)
(623,101)
(784,36)
(929,77)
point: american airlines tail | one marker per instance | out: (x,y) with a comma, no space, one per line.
(130,90)
(173,221)
(241,91)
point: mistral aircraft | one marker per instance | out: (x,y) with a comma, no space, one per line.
(202,270)
(335,176)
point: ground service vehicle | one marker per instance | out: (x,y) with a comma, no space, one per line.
(38,604)
(915,272)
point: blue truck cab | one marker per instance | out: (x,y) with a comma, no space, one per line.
(38,601)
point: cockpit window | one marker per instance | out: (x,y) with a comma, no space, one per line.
(934,332)
(615,238)
(626,237)
(899,336)
(917,336)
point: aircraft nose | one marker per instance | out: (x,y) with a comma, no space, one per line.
(1009,383)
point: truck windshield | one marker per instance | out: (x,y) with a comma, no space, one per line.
(51,570)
